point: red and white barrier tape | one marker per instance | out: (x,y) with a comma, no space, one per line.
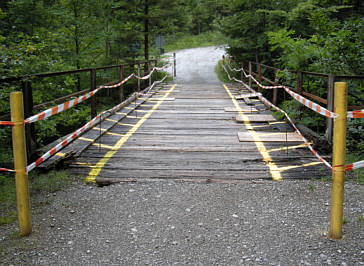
(356,114)
(64,106)
(117,84)
(76,134)
(6,123)
(354,166)
(306,102)
(60,108)
(264,100)
(313,106)
(6,170)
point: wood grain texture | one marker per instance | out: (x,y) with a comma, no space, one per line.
(193,139)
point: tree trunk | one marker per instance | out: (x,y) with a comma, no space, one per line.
(146,30)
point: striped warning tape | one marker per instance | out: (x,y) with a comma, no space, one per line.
(62,144)
(60,108)
(64,106)
(6,170)
(310,104)
(315,107)
(76,134)
(356,114)
(6,123)
(349,167)
(354,166)
(264,100)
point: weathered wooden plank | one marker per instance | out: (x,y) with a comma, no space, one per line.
(254,118)
(247,109)
(248,95)
(270,137)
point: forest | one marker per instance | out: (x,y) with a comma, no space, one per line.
(38,36)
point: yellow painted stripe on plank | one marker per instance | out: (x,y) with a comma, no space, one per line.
(61,154)
(103,146)
(114,134)
(101,163)
(282,169)
(289,148)
(278,122)
(111,120)
(274,171)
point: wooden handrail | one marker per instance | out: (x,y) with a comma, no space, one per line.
(68,72)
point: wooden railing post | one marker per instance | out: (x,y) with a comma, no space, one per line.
(250,74)
(275,90)
(330,107)
(93,87)
(259,76)
(30,134)
(299,81)
(139,76)
(150,77)
(241,73)
(20,163)
(121,89)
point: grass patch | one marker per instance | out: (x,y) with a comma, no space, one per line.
(193,41)
(221,74)
(39,184)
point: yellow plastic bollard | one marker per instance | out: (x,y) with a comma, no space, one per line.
(20,163)
(338,160)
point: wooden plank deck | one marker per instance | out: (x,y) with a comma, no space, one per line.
(193,138)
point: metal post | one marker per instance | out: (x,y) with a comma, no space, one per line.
(93,87)
(250,74)
(174,65)
(259,76)
(20,163)
(330,107)
(338,161)
(121,89)
(299,81)
(275,90)
(139,76)
(241,73)
(30,134)
(150,77)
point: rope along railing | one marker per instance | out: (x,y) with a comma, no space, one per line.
(69,104)
(264,100)
(339,137)
(313,106)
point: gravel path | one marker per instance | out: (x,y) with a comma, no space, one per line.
(168,222)
(197,65)
(165,223)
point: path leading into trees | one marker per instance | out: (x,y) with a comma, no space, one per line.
(188,130)
(185,133)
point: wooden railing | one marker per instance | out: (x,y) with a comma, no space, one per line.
(256,69)
(27,89)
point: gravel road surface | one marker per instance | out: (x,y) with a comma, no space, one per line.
(196,66)
(180,223)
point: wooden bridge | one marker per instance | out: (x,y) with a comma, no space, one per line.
(200,130)
(190,132)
